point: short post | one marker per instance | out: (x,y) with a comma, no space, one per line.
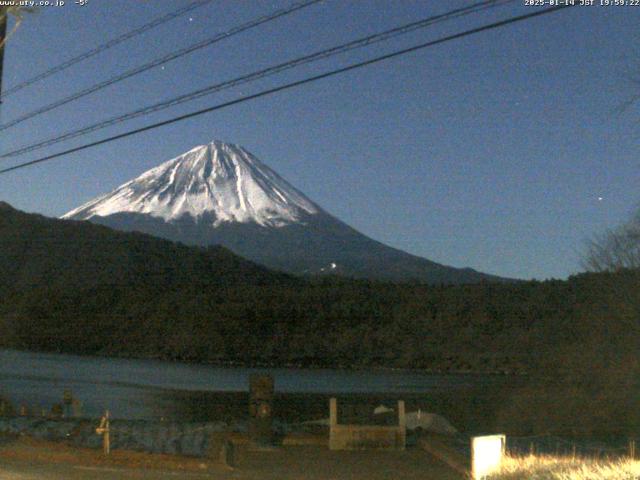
(333,422)
(5,408)
(261,392)
(76,407)
(333,412)
(103,430)
(67,400)
(632,449)
(402,425)
(227,454)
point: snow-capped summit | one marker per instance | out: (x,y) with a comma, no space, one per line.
(220,194)
(219,181)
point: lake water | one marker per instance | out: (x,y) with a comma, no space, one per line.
(135,389)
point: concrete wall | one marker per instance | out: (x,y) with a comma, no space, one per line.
(359,437)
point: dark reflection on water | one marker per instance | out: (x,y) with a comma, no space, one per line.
(137,389)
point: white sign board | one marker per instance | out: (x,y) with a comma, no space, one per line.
(486,455)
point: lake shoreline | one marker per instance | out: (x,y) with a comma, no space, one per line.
(152,389)
(291,366)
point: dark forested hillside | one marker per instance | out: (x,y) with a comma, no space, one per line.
(79,287)
(40,251)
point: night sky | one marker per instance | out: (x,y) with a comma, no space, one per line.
(504,151)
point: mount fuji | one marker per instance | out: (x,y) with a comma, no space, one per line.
(221,194)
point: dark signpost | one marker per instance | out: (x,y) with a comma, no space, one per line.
(261,391)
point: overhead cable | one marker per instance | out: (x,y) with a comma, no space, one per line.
(314,57)
(160,61)
(105,46)
(291,85)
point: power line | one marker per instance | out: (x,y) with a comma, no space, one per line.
(316,56)
(161,60)
(105,46)
(288,86)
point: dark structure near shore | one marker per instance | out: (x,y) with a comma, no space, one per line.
(261,390)
(361,437)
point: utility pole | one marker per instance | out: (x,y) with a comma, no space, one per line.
(3,34)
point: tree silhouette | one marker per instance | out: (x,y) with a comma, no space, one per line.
(617,249)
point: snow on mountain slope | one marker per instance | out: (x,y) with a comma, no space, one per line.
(220,194)
(219,180)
